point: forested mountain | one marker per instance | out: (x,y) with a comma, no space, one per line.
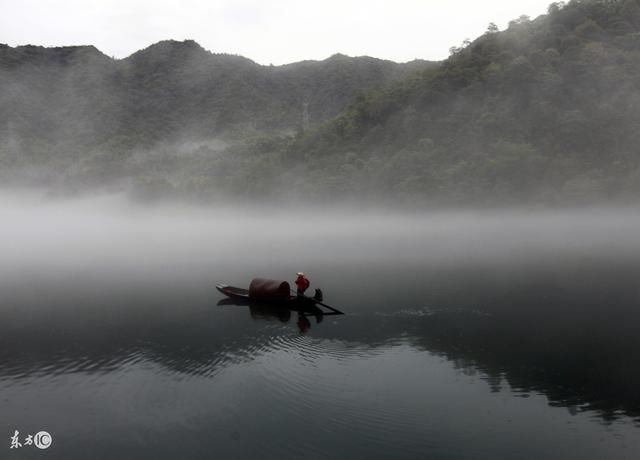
(545,111)
(64,106)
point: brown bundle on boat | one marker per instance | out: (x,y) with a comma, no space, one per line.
(263,289)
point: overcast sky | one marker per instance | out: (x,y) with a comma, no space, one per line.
(267,31)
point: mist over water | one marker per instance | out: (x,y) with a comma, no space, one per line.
(112,230)
(505,334)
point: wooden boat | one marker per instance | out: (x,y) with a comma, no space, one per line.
(289,301)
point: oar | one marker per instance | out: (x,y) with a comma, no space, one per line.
(334,310)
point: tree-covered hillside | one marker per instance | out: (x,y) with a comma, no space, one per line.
(74,108)
(545,111)
(548,109)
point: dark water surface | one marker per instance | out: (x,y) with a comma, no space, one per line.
(468,335)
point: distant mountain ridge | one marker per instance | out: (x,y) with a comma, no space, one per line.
(172,89)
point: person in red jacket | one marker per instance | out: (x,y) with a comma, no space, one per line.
(302,284)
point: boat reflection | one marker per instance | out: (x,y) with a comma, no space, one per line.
(269,311)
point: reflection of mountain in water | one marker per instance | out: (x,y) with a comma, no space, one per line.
(571,364)
(580,356)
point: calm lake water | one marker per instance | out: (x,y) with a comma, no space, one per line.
(467,334)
